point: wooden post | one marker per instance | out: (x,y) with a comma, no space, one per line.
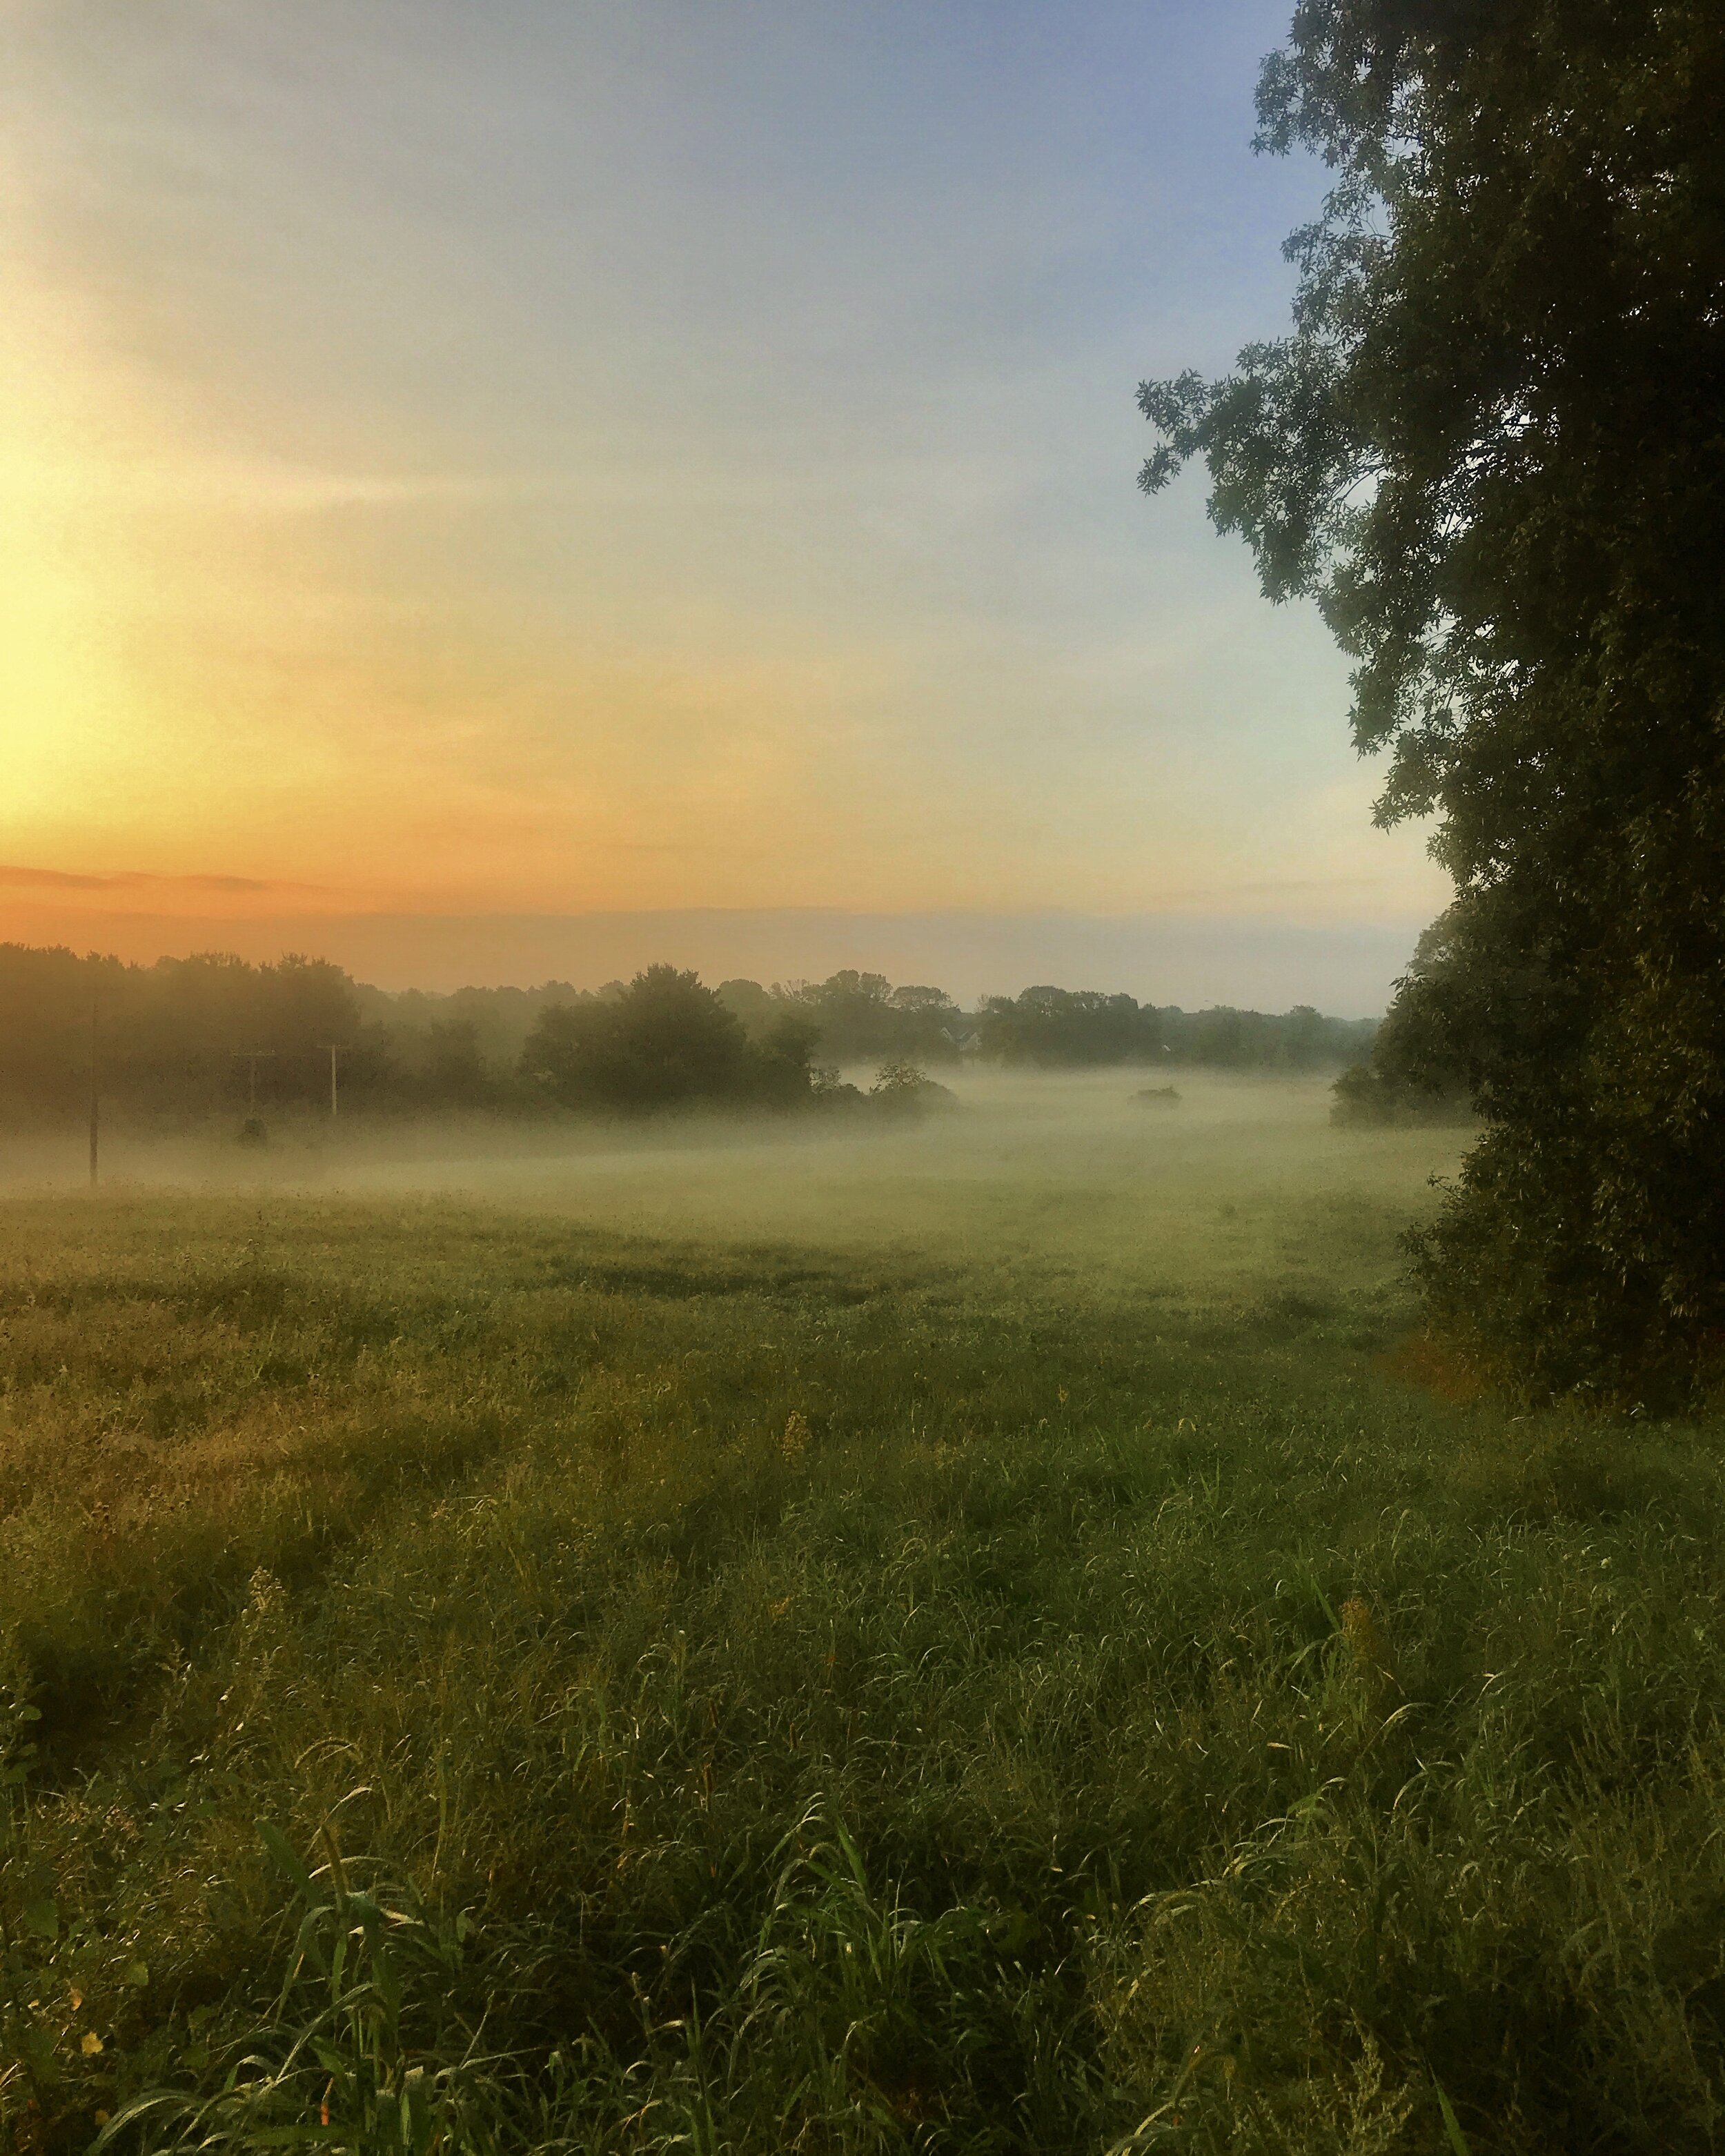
(335,1050)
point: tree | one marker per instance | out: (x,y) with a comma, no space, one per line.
(927,1023)
(862,1016)
(1493,449)
(1068,1026)
(1419,1068)
(905,1093)
(754,1008)
(455,1074)
(663,1042)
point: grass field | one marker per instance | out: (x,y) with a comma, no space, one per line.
(962,1641)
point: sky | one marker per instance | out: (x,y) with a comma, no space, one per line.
(490,483)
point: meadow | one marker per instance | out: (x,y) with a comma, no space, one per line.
(990,1637)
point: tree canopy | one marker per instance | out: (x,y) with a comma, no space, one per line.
(186,1039)
(1492,448)
(665,1041)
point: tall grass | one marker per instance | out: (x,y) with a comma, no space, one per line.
(475,1682)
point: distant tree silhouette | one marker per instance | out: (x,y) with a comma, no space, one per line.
(178,1039)
(455,1073)
(861,1017)
(1077,1028)
(664,1041)
(1056,1026)
(174,1035)
(757,1009)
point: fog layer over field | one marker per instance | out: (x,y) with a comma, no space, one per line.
(1090,1173)
(967,1633)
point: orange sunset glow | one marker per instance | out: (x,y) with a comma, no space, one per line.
(540,475)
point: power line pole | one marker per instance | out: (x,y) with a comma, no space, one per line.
(95,1107)
(334,1047)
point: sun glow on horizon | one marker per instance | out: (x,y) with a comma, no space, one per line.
(369,555)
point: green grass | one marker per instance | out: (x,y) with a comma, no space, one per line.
(958,1646)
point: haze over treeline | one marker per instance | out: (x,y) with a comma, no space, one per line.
(186,1038)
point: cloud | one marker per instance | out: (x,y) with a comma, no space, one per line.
(15,878)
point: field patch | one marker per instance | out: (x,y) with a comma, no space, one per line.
(497,1677)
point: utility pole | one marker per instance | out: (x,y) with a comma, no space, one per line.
(95,1106)
(335,1049)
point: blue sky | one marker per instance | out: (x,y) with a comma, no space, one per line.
(507,460)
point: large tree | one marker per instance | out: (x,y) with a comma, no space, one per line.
(1493,449)
(664,1041)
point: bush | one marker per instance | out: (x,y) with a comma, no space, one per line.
(1366,1097)
(901,1089)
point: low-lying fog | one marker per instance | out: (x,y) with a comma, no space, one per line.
(1072,1172)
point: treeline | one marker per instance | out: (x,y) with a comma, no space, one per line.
(185,1039)
(176,1039)
(1066,1027)
(856,1017)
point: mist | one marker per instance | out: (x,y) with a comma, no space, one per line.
(779,1368)
(1072,1176)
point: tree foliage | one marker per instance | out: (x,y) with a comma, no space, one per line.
(1418,1069)
(1079,1028)
(1493,449)
(175,1038)
(666,1041)
(863,1016)
(1070,1026)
